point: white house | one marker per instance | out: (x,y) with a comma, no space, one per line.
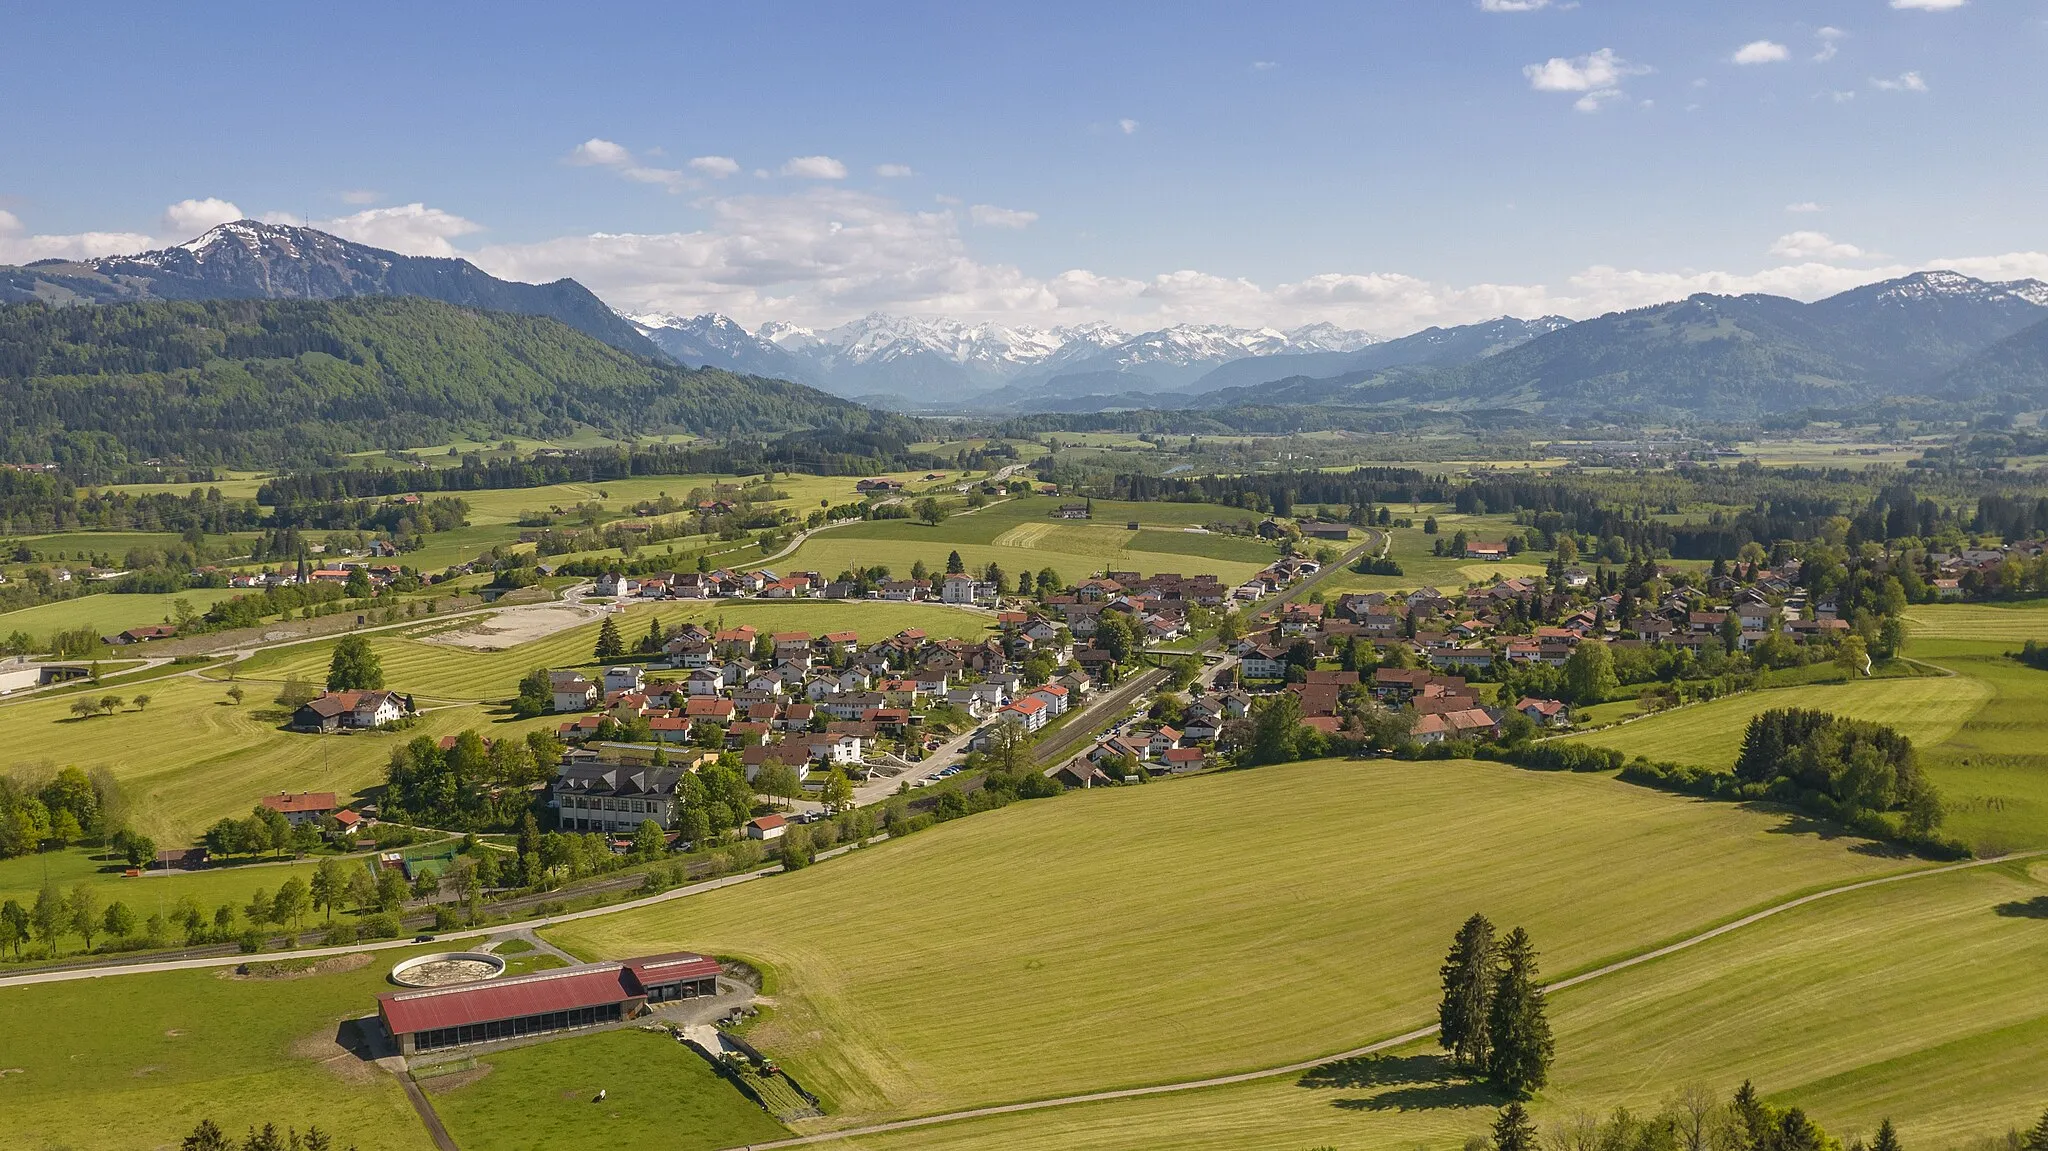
(766,827)
(1053,696)
(621,679)
(571,691)
(1028,712)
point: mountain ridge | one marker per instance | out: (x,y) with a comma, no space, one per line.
(249,259)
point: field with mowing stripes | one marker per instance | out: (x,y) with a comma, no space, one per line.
(1203,943)
(1917,1001)
(446,671)
(193,756)
(1929,709)
(137,1061)
(107,613)
(1020,535)
(1979,721)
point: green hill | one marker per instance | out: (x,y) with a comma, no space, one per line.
(264,383)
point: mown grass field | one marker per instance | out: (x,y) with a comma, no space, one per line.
(107,613)
(23,876)
(446,671)
(193,757)
(1148,935)
(1982,732)
(134,1063)
(1021,535)
(1412,549)
(1918,1001)
(1929,709)
(658,1093)
(233,485)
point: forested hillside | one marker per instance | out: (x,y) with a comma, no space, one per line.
(252,383)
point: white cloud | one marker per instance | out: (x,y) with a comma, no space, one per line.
(1906,82)
(990,216)
(894,171)
(1512,5)
(1842,95)
(1929,5)
(1761,52)
(16,248)
(1598,75)
(1804,206)
(828,254)
(189,218)
(1800,246)
(1127,125)
(412,229)
(601,153)
(1830,43)
(1264,65)
(360,196)
(716,167)
(814,168)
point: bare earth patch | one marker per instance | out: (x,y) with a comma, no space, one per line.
(297,968)
(455,1081)
(513,626)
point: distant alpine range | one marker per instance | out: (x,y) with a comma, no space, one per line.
(1932,336)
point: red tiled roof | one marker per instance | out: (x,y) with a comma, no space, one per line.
(658,969)
(567,989)
(305,801)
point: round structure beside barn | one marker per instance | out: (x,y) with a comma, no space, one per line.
(447,968)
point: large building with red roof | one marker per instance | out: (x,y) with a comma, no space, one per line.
(585,995)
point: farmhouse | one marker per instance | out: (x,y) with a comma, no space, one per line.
(336,710)
(569,997)
(306,807)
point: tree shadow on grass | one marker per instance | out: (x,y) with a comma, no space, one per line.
(1407,1083)
(2035,908)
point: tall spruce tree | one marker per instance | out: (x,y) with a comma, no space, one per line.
(2037,1139)
(1517,1027)
(1512,1131)
(609,645)
(1886,1139)
(1468,977)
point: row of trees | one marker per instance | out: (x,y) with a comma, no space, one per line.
(1492,1019)
(207,1136)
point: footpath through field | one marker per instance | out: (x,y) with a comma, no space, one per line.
(1382,1045)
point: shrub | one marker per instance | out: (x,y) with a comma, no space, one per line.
(340,935)
(383,925)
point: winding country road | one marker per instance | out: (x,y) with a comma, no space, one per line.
(1382,1045)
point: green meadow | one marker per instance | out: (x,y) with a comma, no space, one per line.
(658,1093)
(1142,935)
(132,1064)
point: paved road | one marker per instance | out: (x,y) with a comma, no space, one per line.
(1375,1048)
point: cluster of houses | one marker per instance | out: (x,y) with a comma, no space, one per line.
(815,702)
(337,573)
(727,584)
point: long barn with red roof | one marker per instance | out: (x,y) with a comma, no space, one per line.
(585,995)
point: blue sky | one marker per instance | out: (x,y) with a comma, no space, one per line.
(1379,164)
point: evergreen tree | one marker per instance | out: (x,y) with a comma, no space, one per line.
(2037,1139)
(1887,1138)
(609,645)
(206,1137)
(1513,1131)
(1468,977)
(1752,1116)
(955,565)
(1516,1024)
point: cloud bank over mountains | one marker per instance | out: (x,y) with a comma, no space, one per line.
(821,252)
